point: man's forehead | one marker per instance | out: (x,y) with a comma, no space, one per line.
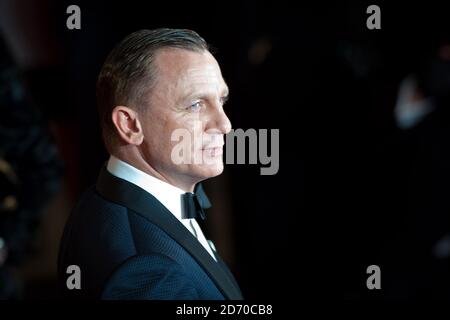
(202,81)
(199,75)
(189,68)
(179,60)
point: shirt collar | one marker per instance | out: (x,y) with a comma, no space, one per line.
(167,194)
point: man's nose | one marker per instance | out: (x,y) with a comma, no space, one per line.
(222,122)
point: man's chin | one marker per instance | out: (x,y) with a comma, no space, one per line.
(211,170)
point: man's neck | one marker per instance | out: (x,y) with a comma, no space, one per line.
(148,169)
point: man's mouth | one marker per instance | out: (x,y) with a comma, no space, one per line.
(213,151)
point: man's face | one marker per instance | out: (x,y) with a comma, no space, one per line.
(188,94)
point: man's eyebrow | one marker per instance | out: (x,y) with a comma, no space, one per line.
(192,95)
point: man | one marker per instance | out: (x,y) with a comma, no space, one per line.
(134,235)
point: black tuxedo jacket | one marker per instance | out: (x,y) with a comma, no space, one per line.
(127,245)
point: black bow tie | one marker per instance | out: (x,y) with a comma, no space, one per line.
(194,203)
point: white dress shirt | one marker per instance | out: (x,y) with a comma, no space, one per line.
(169,195)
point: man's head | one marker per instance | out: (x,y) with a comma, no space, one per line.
(154,83)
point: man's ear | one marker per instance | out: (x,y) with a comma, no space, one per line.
(127,124)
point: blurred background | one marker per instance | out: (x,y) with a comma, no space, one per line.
(364,140)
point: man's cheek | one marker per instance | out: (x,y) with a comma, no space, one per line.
(181,142)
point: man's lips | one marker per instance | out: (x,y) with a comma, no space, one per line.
(213,147)
(213,151)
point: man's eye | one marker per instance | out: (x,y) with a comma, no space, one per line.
(196,106)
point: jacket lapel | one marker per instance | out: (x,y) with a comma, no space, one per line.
(131,196)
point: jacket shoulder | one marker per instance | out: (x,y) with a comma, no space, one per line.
(151,276)
(97,237)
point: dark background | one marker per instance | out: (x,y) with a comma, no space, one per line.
(352,190)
